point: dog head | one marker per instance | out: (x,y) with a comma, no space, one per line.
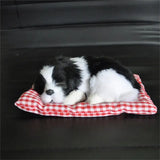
(54,82)
(49,89)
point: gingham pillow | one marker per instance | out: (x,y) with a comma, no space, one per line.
(31,102)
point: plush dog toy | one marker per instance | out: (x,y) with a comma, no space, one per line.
(72,80)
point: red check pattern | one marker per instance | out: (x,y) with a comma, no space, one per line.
(31,102)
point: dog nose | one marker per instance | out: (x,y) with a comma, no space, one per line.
(49,91)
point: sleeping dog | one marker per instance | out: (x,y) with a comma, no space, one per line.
(91,79)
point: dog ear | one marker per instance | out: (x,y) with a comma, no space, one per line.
(39,84)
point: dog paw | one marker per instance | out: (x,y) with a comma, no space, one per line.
(74,97)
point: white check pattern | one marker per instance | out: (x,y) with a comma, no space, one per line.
(31,102)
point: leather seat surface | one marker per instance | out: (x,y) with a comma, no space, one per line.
(34,31)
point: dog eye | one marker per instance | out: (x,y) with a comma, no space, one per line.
(61,84)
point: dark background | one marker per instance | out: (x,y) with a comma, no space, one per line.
(34,31)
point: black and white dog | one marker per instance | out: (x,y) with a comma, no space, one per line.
(71,80)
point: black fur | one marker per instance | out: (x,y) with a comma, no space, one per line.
(66,74)
(97,64)
(39,84)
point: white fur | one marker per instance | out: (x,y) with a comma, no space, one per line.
(109,86)
(94,99)
(85,75)
(46,72)
(106,86)
(58,96)
(79,95)
(74,97)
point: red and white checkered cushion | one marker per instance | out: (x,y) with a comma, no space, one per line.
(31,102)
